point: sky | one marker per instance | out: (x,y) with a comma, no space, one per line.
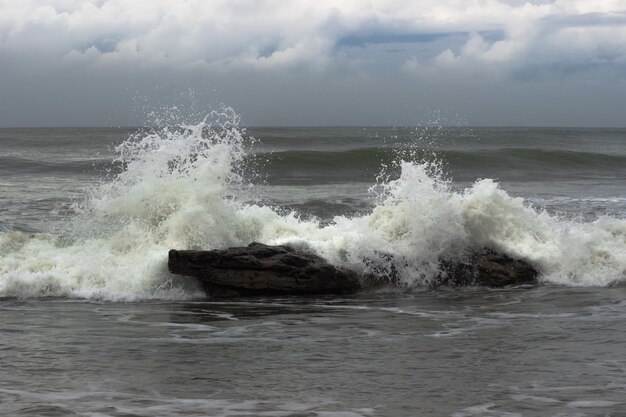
(315,63)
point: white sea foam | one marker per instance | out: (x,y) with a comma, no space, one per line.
(181,188)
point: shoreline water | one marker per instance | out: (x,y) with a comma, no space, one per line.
(476,352)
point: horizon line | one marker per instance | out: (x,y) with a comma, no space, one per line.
(341,127)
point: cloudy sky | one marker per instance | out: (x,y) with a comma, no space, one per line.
(305,62)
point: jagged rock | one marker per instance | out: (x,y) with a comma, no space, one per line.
(260,269)
(484,267)
(489,268)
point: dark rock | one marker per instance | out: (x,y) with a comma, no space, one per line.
(280,270)
(260,269)
(484,267)
(489,268)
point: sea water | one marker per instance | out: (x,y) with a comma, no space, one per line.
(93,324)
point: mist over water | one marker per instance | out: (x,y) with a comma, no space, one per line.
(210,184)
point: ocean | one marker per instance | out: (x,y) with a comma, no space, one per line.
(92,323)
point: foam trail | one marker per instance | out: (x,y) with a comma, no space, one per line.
(180,188)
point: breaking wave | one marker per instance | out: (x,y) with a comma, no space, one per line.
(185,187)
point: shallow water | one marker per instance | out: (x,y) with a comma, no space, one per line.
(545,351)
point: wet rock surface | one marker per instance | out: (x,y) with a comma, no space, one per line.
(259,269)
(488,268)
(483,267)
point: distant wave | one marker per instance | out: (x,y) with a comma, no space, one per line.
(366,162)
(11,164)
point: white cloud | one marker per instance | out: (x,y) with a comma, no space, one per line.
(360,44)
(279,34)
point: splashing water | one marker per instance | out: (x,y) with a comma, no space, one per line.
(181,187)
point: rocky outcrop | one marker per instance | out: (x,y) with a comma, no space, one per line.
(260,269)
(484,267)
(488,268)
